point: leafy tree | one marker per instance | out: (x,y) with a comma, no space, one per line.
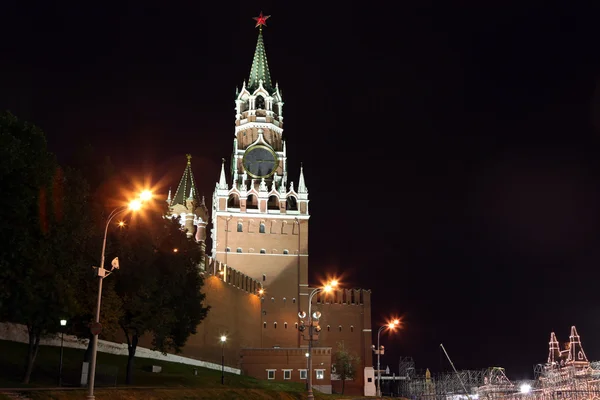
(345,363)
(43,211)
(159,284)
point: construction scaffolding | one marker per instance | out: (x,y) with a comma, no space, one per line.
(567,375)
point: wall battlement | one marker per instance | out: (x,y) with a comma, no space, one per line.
(344,296)
(231,276)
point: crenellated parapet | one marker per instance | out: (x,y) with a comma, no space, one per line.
(345,296)
(232,276)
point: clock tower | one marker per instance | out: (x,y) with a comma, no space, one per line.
(260,219)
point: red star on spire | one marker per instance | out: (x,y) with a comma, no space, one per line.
(261,20)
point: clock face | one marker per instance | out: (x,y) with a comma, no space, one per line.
(260,161)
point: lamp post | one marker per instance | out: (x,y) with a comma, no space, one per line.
(63,323)
(223,340)
(307,354)
(391,326)
(327,288)
(103,273)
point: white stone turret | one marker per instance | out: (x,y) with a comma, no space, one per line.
(222,180)
(302,189)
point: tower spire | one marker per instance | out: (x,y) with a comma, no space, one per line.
(260,67)
(222,180)
(187,184)
(301,184)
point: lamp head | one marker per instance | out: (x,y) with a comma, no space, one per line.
(316,315)
(146,195)
(302,314)
(261,291)
(121,224)
(63,322)
(135,205)
(223,338)
(334,283)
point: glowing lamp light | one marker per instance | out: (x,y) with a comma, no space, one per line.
(334,283)
(306,355)
(135,205)
(316,315)
(396,322)
(327,288)
(261,291)
(175,250)
(145,195)
(121,223)
(223,339)
(63,322)
(525,388)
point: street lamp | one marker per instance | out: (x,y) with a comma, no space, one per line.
(380,350)
(103,273)
(63,323)
(312,326)
(223,340)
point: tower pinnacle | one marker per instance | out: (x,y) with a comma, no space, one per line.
(186,185)
(222,180)
(260,67)
(301,184)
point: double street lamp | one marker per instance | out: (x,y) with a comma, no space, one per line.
(313,326)
(380,350)
(102,273)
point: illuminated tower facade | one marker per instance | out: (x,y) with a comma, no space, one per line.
(260,218)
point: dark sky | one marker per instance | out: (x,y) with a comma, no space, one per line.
(449,150)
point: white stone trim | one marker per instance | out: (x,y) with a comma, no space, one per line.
(18,333)
(366,330)
(273,216)
(263,254)
(244,124)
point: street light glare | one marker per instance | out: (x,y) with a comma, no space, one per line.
(146,195)
(396,322)
(223,338)
(121,223)
(334,283)
(525,388)
(135,205)
(327,288)
(63,322)
(261,291)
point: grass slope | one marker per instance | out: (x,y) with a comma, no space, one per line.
(173,376)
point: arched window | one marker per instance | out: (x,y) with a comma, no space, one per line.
(291,203)
(260,103)
(285,325)
(239,249)
(265,325)
(240,226)
(294,300)
(263,251)
(261,228)
(328,328)
(340,328)
(228,250)
(264,277)
(252,202)
(273,203)
(286,251)
(351,328)
(275,325)
(284,299)
(296,325)
(233,201)
(272,299)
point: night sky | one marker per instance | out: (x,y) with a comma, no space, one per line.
(450,151)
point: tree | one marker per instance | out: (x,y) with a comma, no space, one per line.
(43,211)
(159,284)
(345,364)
